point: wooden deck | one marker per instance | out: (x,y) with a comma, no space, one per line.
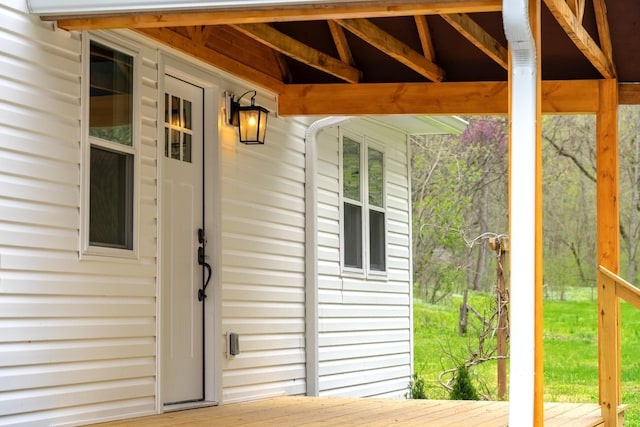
(310,411)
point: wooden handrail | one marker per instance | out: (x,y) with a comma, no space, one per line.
(611,287)
(624,289)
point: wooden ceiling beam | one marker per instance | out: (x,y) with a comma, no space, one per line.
(340,40)
(219,60)
(291,47)
(577,7)
(478,36)
(578,96)
(604,34)
(310,12)
(393,47)
(581,38)
(425,37)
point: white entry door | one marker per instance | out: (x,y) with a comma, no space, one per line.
(182,276)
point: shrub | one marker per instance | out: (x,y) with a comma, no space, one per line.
(416,388)
(463,388)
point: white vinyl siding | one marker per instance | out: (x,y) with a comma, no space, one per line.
(364,323)
(77,337)
(263,266)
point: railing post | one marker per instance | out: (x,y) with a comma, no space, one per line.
(608,349)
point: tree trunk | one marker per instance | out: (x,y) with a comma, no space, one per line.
(633,226)
(464,315)
(483,216)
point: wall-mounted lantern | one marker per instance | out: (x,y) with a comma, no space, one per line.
(251,120)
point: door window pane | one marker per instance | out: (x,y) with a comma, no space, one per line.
(111,95)
(178,128)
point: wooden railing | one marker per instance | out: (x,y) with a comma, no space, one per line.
(611,288)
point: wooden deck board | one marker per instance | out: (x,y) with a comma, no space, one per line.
(309,411)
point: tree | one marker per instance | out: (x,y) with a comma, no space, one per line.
(459,190)
(485,141)
(463,388)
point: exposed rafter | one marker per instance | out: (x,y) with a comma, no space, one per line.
(425,37)
(329,10)
(569,22)
(393,47)
(291,47)
(479,37)
(340,40)
(603,28)
(577,7)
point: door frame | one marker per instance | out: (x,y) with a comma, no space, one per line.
(198,76)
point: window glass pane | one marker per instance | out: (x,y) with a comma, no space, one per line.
(351,168)
(111,199)
(376,241)
(352,236)
(175,144)
(175,111)
(375,178)
(111,90)
(166,142)
(186,114)
(186,154)
(166,108)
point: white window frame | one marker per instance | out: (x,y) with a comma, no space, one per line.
(365,144)
(88,251)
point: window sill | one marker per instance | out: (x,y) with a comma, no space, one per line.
(96,253)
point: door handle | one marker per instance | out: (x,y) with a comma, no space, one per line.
(202,239)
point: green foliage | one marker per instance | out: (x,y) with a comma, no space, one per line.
(463,388)
(416,388)
(570,352)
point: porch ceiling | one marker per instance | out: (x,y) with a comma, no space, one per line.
(345,57)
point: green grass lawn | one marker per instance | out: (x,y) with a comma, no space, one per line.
(570,350)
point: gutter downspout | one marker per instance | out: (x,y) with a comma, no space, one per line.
(311,251)
(522,208)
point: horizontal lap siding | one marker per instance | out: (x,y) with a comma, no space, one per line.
(364,324)
(77,337)
(263,267)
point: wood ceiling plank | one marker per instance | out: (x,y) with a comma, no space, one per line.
(217,59)
(327,10)
(393,47)
(425,37)
(566,96)
(478,36)
(581,37)
(340,40)
(291,47)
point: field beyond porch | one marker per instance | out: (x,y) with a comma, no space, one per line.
(570,352)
